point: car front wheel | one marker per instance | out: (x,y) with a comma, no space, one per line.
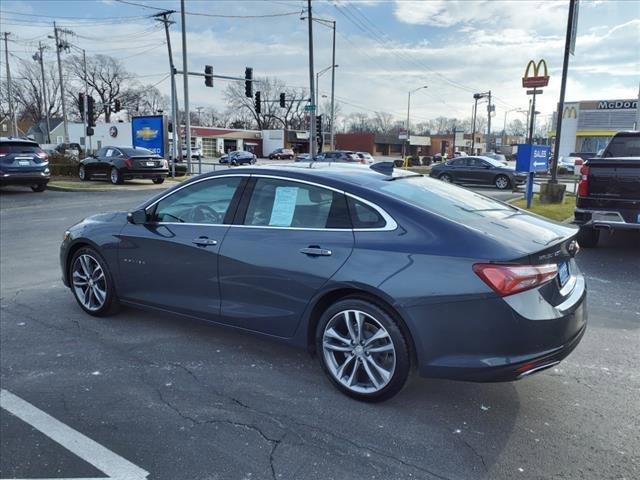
(91,283)
(502,182)
(158,180)
(445,177)
(40,187)
(362,350)
(82,173)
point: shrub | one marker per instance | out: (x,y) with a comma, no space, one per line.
(64,169)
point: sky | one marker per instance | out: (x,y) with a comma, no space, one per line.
(384,49)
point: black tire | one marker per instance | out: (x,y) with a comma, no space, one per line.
(111,303)
(115,177)
(502,182)
(401,353)
(40,187)
(158,181)
(445,177)
(588,237)
(82,173)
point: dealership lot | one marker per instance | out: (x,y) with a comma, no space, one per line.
(180,399)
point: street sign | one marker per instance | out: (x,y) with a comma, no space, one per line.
(574,28)
(535,91)
(403,135)
(532,158)
(536,80)
(309,108)
(150,132)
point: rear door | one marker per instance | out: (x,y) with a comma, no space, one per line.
(289,238)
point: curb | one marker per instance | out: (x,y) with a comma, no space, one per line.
(111,188)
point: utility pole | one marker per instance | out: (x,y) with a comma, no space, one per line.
(176,144)
(59,46)
(563,87)
(312,120)
(637,127)
(473,128)
(12,112)
(488,141)
(333,84)
(408,119)
(40,57)
(85,109)
(199,109)
(185,78)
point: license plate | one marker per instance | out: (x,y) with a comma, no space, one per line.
(563,273)
(24,162)
(151,164)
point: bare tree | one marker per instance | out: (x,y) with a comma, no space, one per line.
(28,88)
(383,122)
(516,127)
(107,78)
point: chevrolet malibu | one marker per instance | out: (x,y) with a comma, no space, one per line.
(376,271)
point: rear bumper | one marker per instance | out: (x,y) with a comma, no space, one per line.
(24,178)
(496,339)
(608,219)
(151,173)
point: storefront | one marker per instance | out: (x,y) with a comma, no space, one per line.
(588,126)
(217,141)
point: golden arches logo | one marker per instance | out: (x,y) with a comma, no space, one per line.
(570,112)
(536,80)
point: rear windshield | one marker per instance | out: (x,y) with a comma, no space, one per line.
(447,200)
(623,146)
(136,152)
(18,147)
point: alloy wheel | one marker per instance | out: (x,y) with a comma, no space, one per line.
(445,178)
(115,177)
(89,282)
(358,351)
(81,173)
(502,182)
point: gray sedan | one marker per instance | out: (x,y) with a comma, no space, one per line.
(478,171)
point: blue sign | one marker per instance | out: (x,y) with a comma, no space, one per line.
(533,158)
(149,132)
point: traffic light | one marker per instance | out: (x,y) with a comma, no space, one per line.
(282,100)
(248,82)
(117,106)
(257,103)
(81,104)
(91,106)
(208,75)
(90,131)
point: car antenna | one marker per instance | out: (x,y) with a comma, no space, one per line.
(386,167)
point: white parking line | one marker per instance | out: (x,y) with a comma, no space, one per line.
(111,464)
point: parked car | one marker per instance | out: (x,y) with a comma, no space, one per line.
(303,157)
(496,156)
(609,190)
(458,153)
(478,171)
(376,272)
(23,162)
(367,157)
(73,149)
(118,164)
(339,156)
(567,164)
(238,157)
(282,153)
(196,153)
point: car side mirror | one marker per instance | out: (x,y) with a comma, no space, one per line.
(138,217)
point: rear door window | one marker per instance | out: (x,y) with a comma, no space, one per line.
(364,216)
(289,204)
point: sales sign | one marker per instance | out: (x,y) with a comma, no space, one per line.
(533,158)
(150,132)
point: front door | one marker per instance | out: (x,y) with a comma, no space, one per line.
(291,237)
(180,245)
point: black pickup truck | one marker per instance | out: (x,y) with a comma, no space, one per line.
(608,195)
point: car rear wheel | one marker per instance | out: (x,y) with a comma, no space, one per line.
(158,181)
(91,283)
(588,237)
(362,350)
(445,177)
(40,187)
(502,182)
(82,173)
(116,176)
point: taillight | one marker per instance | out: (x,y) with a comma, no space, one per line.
(509,279)
(128,163)
(583,185)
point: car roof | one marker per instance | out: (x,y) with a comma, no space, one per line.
(18,140)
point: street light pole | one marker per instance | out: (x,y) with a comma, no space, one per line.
(333,84)
(185,77)
(408,117)
(64,108)
(312,120)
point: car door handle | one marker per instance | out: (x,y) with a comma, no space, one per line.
(204,241)
(316,252)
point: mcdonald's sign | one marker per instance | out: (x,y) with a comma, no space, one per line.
(536,80)
(570,112)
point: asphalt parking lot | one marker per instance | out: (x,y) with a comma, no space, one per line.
(144,395)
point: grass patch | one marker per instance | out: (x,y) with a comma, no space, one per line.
(424,170)
(554,211)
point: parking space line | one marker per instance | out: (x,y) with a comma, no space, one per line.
(113,465)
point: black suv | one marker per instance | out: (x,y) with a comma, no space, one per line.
(23,162)
(339,156)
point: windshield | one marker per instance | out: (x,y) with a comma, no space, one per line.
(449,201)
(18,147)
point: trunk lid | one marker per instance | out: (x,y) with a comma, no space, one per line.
(614,178)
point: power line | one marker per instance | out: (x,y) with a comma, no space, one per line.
(214,15)
(3,12)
